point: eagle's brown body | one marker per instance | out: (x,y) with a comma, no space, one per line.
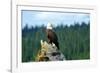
(52,37)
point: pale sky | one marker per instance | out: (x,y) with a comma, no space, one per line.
(38,18)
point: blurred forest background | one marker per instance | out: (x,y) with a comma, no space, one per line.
(74,41)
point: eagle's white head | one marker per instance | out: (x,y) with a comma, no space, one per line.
(49,26)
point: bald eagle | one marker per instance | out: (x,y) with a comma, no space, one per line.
(52,37)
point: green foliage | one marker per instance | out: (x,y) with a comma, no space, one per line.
(74,41)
